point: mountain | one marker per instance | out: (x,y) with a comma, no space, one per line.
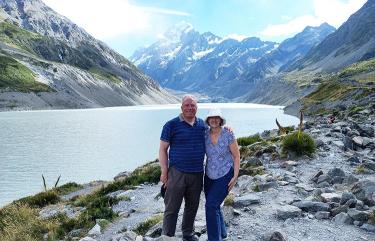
(289,51)
(189,61)
(221,68)
(352,42)
(78,70)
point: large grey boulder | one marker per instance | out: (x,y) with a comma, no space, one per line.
(246,200)
(288,211)
(357,215)
(343,218)
(311,206)
(365,191)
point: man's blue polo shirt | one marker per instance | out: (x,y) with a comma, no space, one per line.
(186,144)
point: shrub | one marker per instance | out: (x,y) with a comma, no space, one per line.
(68,188)
(143,227)
(21,222)
(298,143)
(149,172)
(40,200)
(245,141)
(229,200)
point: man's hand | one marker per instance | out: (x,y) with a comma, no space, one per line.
(228,128)
(164,178)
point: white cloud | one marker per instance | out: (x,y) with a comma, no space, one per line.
(110,18)
(334,12)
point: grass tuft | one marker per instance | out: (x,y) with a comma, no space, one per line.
(299,143)
(143,227)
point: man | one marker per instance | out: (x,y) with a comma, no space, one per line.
(182,169)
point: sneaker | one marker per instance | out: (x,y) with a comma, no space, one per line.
(191,238)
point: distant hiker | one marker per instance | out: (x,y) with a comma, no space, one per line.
(222,167)
(331,119)
(182,167)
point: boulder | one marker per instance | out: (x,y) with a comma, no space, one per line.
(346,196)
(275,236)
(246,200)
(368,227)
(312,206)
(122,176)
(365,191)
(336,172)
(330,197)
(343,218)
(288,211)
(357,215)
(322,215)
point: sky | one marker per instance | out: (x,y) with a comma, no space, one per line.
(126,25)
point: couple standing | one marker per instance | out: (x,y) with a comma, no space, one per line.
(189,139)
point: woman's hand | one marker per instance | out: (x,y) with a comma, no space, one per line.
(232,183)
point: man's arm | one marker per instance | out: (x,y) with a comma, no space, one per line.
(163,160)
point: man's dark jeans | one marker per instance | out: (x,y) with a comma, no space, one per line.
(180,185)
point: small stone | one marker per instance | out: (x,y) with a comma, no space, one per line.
(96,230)
(358,140)
(246,200)
(368,227)
(346,196)
(322,215)
(336,172)
(357,215)
(330,197)
(288,211)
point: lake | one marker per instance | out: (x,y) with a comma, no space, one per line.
(97,144)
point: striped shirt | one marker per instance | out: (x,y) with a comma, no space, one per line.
(186,144)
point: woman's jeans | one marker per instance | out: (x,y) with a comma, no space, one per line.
(215,191)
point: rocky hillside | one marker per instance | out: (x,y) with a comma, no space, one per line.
(326,196)
(354,41)
(79,70)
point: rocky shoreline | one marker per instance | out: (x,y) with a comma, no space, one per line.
(328,196)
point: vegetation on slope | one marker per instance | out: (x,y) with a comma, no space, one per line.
(17,77)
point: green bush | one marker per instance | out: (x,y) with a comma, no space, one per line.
(245,141)
(143,227)
(298,143)
(40,200)
(68,188)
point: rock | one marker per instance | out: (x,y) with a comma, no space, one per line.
(87,239)
(343,218)
(166,238)
(359,205)
(330,197)
(275,236)
(315,177)
(288,211)
(322,215)
(353,159)
(357,215)
(319,143)
(126,236)
(122,176)
(324,178)
(365,191)
(267,185)
(340,209)
(339,144)
(289,164)
(337,180)
(350,179)
(358,141)
(311,206)
(368,227)
(155,231)
(346,196)
(95,231)
(246,200)
(305,187)
(348,143)
(252,161)
(369,165)
(323,185)
(364,129)
(336,172)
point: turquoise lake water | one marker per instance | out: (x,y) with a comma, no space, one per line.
(97,144)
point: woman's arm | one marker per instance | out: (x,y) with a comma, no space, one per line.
(236,163)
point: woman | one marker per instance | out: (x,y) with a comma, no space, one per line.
(222,166)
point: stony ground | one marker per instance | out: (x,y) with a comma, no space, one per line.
(329,196)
